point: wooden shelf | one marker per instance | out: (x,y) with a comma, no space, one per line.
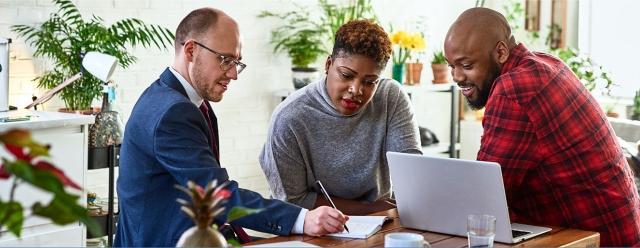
(429,87)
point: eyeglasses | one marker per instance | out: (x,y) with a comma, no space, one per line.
(226,62)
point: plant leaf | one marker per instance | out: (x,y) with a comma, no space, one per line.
(11,216)
(66,35)
(64,209)
(234,243)
(22,138)
(239,212)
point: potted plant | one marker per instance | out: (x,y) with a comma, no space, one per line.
(414,69)
(305,39)
(402,44)
(66,36)
(635,114)
(610,110)
(205,204)
(440,68)
(302,39)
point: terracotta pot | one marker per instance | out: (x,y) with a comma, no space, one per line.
(612,114)
(414,70)
(440,73)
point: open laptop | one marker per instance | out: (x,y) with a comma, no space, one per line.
(437,194)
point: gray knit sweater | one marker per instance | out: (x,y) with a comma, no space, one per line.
(310,140)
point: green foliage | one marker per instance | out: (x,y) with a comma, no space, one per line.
(635,115)
(514,13)
(438,58)
(305,38)
(553,38)
(11,216)
(335,15)
(590,74)
(300,37)
(31,168)
(239,212)
(65,36)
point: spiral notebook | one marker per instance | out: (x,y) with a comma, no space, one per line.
(362,227)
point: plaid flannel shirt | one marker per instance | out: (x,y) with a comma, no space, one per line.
(561,162)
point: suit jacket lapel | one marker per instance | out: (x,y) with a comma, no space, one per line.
(167,78)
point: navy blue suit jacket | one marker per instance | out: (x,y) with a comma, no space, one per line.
(166,142)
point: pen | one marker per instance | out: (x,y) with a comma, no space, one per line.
(326,195)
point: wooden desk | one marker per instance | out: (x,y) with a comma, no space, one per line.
(558,237)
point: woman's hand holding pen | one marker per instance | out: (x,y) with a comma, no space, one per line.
(324,220)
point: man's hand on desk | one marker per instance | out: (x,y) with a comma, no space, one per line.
(324,220)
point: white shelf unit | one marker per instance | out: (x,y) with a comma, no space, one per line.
(68,136)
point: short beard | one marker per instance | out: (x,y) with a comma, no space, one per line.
(483,93)
(200,85)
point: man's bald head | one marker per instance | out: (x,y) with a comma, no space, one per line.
(481,27)
(477,45)
(208,52)
(200,22)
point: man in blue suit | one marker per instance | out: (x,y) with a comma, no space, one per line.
(172,137)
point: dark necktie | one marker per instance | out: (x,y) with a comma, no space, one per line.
(242,235)
(214,148)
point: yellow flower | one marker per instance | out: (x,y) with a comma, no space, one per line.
(406,43)
(398,37)
(417,42)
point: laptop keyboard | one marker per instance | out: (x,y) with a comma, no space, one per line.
(518,233)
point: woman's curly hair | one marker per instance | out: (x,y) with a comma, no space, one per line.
(363,37)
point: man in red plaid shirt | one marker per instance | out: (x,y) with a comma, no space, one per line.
(561,162)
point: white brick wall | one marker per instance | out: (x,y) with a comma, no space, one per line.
(245,111)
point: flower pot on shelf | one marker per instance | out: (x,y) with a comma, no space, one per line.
(303,76)
(440,73)
(414,70)
(612,114)
(397,72)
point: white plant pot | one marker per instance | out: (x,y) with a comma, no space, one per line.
(196,237)
(303,76)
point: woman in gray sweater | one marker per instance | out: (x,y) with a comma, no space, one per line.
(338,129)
